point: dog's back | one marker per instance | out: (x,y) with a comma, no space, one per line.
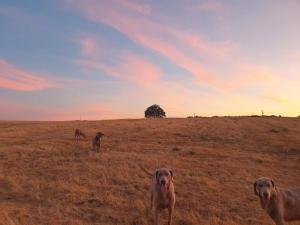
(291,199)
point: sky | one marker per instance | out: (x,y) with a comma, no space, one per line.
(109,59)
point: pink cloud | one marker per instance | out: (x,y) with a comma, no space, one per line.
(148,78)
(131,68)
(88,46)
(135,6)
(11,110)
(14,78)
(92,46)
(183,48)
(90,112)
(215,50)
(294,56)
(180,47)
(253,75)
(173,95)
(211,6)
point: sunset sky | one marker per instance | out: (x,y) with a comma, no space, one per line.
(107,59)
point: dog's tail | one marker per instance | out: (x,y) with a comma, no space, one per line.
(146,171)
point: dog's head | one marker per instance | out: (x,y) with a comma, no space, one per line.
(264,188)
(99,135)
(163,178)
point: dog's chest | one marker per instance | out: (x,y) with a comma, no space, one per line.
(163,204)
(164,201)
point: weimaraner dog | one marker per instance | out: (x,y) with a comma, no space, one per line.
(163,193)
(96,141)
(78,134)
(281,205)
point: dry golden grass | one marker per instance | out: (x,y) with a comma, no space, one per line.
(48,178)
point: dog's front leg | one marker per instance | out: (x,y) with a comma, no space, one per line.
(170,214)
(151,203)
(156,216)
(279,220)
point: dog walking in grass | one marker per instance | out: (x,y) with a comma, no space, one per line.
(78,134)
(162,192)
(96,141)
(281,205)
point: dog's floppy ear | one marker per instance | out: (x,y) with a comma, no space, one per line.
(171,172)
(274,187)
(254,188)
(272,183)
(156,175)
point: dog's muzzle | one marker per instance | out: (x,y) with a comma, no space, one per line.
(265,196)
(163,186)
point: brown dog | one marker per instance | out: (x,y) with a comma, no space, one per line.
(78,134)
(281,205)
(163,193)
(96,141)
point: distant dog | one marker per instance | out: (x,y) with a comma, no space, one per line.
(96,141)
(281,205)
(162,193)
(78,134)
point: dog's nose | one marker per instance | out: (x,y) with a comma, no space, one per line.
(266,194)
(163,182)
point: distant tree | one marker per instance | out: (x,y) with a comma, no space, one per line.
(155,111)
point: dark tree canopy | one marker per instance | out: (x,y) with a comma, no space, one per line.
(155,111)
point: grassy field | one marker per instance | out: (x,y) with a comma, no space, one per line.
(48,178)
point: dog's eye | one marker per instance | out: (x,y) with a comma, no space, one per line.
(260,185)
(268,185)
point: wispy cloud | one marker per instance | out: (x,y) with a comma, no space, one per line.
(15,110)
(127,66)
(148,81)
(135,6)
(212,6)
(183,48)
(294,55)
(14,78)
(131,68)
(88,46)
(241,82)
(91,46)
(250,75)
(277,99)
